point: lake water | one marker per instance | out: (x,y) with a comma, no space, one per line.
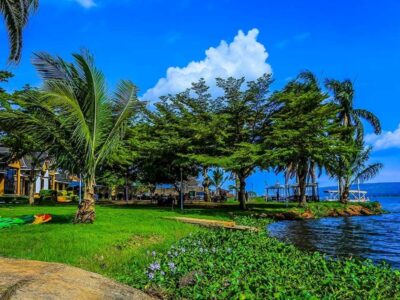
(373,237)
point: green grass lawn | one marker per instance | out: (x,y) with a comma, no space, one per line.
(119,236)
(117,245)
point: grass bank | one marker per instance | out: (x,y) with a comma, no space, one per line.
(121,242)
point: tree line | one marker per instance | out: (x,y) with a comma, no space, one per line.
(300,130)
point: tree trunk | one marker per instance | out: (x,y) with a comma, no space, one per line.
(340,181)
(313,182)
(126,189)
(237,184)
(346,192)
(31,190)
(206,184)
(302,186)
(86,211)
(242,192)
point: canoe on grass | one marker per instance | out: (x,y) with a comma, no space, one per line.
(31,219)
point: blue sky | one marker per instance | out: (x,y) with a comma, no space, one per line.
(142,39)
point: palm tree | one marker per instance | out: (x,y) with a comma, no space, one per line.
(16,14)
(218,178)
(79,119)
(358,170)
(343,96)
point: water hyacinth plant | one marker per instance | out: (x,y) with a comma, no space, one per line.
(224,264)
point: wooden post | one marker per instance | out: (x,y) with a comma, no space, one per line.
(18,181)
(53,181)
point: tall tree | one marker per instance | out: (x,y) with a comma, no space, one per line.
(305,129)
(196,124)
(76,116)
(245,113)
(16,14)
(163,149)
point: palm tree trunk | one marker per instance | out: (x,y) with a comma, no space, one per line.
(345,191)
(86,211)
(32,187)
(340,181)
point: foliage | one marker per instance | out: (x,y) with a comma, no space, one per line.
(218,178)
(22,144)
(16,14)
(343,95)
(305,130)
(217,265)
(356,169)
(76,117)
(246,115)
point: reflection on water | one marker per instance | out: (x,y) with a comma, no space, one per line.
(374,237)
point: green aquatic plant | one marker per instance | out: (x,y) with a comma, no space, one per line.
(225,264)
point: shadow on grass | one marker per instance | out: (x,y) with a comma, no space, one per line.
(222,210)
(61,219)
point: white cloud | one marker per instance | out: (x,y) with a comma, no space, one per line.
(86,3)
(245,56)
(388,139)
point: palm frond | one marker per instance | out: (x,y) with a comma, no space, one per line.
(15,14)
(370,118)
(368,173)
(125,104)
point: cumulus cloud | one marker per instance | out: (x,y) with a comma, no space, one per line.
(244,56)
(86,3)
(388,139)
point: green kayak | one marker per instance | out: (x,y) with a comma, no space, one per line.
(9,222)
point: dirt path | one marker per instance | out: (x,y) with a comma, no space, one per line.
(26,279)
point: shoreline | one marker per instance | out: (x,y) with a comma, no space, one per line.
(349,210)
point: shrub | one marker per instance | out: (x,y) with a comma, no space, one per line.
(47,196)
(14,199)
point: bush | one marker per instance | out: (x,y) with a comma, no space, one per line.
(225,264)
(14,199)
(47,196)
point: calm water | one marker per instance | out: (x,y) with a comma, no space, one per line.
(375,237)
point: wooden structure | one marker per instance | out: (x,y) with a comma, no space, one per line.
(277,192)
(214,223)
(287,193)
(354,196)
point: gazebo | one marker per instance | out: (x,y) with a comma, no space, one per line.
(277,192)
(312,193)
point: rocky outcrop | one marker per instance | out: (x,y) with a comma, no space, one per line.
(25,279)
(352,210)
